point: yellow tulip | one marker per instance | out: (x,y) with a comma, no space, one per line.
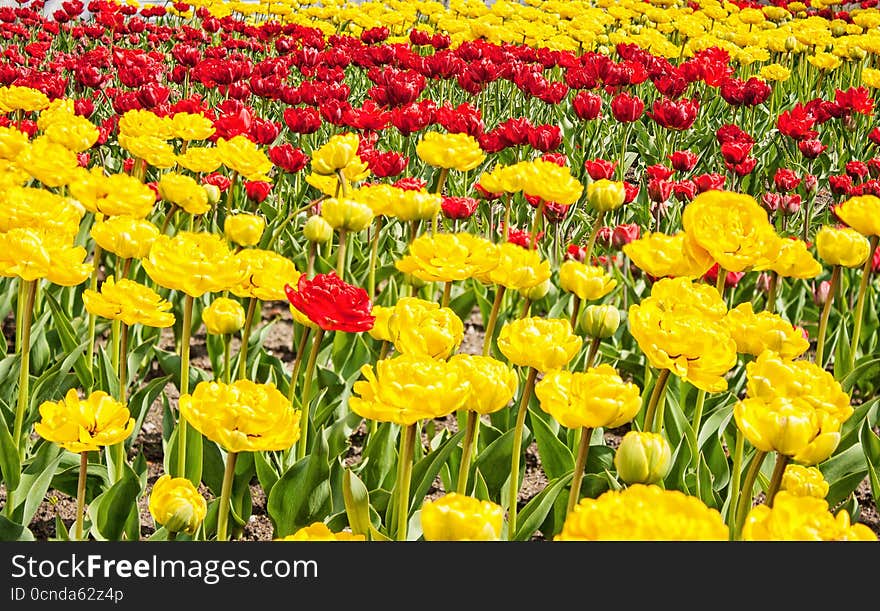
(540,343)
(846,247)
(493,383)
(318,531)
(177,505)
(862,213)
(804,481)
(127,301)
(266,273)
(84,425)
(447,257)
(184,192)
(125,237)
(195,263)
(643,458)
(244,229)
(586,281)
(223,316)
(425,331)
(801,518)
(662,255)
(754,333)
(605,195)
(451,151)
(597,397)
(456,517)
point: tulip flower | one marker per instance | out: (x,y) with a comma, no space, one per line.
(802,518)
(455,517)
(176,505)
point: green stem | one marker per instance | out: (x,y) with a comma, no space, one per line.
(227,358)
(745,499)
(310,265)
(621,170)
(776,479)
(580,464)
(539,215)
(591,355)
(117,450)
(374,258)
(306,396)
(81,494)
(340,254)
(404,480)
(19,309)
(513,491)
(735,477)
(771,293)
(656,394)
(441,180)
(184,383)
(720,281)
(466,451)
(225,494)
(227,204)
(493,319)
(24,371)
(246,336)
(575,310)
(447,293)
(93,319)
(297,364)
(860,304)
(695,444)
(591,242)
(823,320)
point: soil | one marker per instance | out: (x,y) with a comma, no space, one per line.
(259,528)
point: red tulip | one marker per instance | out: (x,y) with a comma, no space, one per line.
(811,148)
(600,168)
(786,180)
(624,234)
(627,108)
(385,163)
(684,190)
(288,157)
(545,138)
(856,169)
(674,115)
(709,182)
(730,281)
(302,120)
(331,303)
(658,171)
(257,190)
(586,105)
(459,207)
(796,123)
(683,161)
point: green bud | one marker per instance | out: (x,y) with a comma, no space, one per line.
(600,321)
(643,458)
(536,292)
(317,230)
(213,192)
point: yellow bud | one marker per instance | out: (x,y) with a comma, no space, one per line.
(347,214)
(317,230)
(600,321)
(223,316)
(643,458)
(213,192)
(244,229)
(605,195)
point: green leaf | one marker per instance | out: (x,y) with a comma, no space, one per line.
(116,504)
(35,481)
(844,472)
(302,495)
(494,462)
(481,491)
(12,531)
(426,470)
(10,466)
(357,503)
(556,458)
(139,404)
(841,354)
(380,457)
(194,454)
(871,445)
(535,512)
(69,342)
(267,474)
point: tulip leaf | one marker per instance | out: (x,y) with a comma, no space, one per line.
(860,373)
(844,472)
(842,354)
(494,462)
(302,495)
(69,341)
(425,471)
(379,457)
(871,445)
(10,465)
(357,503)
(12,531)
(536,510)
(116,505)
(139,405)
(556,458)
(194,454)
(481,491)
(267,474)
(35,481)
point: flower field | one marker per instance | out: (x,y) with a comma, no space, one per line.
(388,271)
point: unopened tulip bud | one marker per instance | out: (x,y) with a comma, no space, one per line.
(791,43)
(223,316)
(244,229)
(643,458)
(857,53)
(213,193)
(605,195)
(317,230)
(537,292)
(821,292)
(811,184)
(600,321)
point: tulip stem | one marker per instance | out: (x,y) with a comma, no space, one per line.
(374,258)
(93,285)
(621,169)
(117,451)
(30,291)
(776,479)
(340,253)
(591,242)
(81,494)
(591,354)
(735,477)
(823,320)
(227,358)
(343,183)
(310,265)
(493,319)
(539,214)
(404,477)
(441,181)
(771,293)
(580,464)
(860,303)
(695,444)
(447,293)
(720,281)
(245,337)
(225,494)
(513,490)
(227,203)
(306,396)
(526,306)
(297,363)
(184,383)
(656,397)
(467,447)
(745,499)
